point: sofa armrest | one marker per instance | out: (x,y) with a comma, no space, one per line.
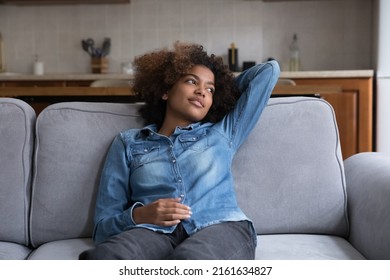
(368,193)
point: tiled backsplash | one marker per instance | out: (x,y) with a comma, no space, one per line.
(332,35)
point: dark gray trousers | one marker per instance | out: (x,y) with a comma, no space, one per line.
(228,240)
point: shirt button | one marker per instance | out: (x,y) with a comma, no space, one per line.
(145,150)
(174,160)
(179,180)
(193,138)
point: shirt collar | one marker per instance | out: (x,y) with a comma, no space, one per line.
(152,129)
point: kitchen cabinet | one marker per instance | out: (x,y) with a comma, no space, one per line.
(61,2)
(41,91)
(56,80)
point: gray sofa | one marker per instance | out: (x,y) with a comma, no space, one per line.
(306,202)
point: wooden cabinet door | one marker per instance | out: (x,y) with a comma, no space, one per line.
(346,112)
(31,84)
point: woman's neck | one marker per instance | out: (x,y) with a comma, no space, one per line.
(166,131)
(168,127)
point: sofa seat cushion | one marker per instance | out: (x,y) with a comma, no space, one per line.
(13,251)
(305,247)
(62,250)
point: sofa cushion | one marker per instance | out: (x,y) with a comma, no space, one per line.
(368,184)
(68,249)
(17,120)
(305,247)
(72,140)
(13,251)
(289,173)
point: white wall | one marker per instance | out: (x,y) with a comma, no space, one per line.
(333,35)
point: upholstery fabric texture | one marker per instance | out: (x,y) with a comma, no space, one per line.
(17,120)
(368,179)
(297,183)
(305,247)
(71,145)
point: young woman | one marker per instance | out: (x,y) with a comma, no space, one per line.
(167,190)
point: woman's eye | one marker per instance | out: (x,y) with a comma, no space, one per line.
(211,90)
(191,81)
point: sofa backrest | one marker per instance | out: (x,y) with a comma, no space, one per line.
(17,120)
(289,173)
(72,140)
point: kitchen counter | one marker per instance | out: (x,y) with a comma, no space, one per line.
(62,77)
(113,76)
(328,74)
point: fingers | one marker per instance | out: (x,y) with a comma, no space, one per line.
(162,212)
(171,211)
(172,203)
(169,216)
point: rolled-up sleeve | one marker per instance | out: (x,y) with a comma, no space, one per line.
(256,85)
(113,211)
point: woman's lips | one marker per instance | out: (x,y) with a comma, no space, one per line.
(196,102)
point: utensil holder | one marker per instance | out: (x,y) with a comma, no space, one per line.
(99,65)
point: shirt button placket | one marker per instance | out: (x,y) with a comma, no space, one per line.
(178,177)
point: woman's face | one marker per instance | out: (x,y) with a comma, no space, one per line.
(191,97)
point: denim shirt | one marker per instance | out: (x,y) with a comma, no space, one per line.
(194,164)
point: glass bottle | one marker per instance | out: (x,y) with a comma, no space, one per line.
(294,63)
(2,55)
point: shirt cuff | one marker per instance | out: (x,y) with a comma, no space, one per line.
(135,205)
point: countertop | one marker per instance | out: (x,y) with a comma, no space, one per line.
(328,74)
(63,77)
(89,77)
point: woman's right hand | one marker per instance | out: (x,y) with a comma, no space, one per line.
(162,212)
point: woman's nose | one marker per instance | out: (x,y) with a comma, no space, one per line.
(200,91)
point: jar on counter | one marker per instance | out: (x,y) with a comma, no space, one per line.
(38,67)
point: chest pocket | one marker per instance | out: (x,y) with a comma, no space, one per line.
(194,142)
(144,153)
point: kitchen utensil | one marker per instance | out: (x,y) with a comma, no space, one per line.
(85,46)
(106,47)
(88,46)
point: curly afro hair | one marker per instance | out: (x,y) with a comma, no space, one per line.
(156,72)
